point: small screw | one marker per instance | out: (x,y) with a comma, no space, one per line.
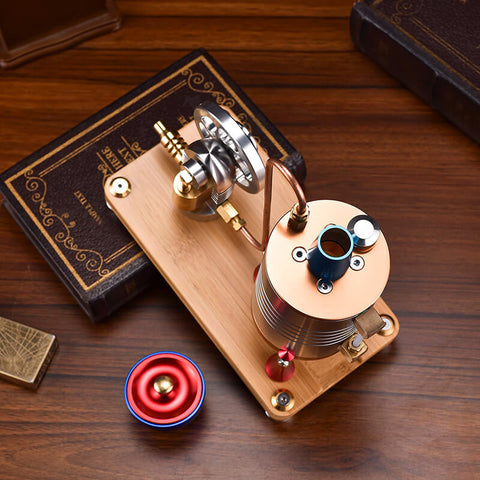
(389,326)
(299,254)
(324,286)
(120,187)
(283,400)
(357,263)
(283,363)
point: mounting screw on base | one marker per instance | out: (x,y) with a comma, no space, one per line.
(283,400)
(120,187)
(388,327)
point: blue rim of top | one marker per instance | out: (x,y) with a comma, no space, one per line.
(165,425)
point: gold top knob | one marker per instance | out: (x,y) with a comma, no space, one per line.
(163,385)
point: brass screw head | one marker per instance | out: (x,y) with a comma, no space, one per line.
(283,400)
(120,187)
(389,326)
(163,385)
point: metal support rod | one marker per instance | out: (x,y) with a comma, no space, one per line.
(267,203)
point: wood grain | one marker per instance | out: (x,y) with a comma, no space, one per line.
(410,412)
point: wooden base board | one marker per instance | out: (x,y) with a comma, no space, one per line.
(211,267)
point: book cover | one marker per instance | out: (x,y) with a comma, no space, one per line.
(432,47)
(56,194)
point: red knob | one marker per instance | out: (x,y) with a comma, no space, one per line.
(280,366)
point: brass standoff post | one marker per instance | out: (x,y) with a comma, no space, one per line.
(173,142)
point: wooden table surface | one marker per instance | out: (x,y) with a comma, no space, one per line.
(410,412)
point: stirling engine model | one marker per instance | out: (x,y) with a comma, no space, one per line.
(313,312)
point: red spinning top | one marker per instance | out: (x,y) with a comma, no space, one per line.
(164,390)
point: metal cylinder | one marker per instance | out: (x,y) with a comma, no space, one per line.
(283,325)
(289,308)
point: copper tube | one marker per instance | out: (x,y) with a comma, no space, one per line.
(252,240)
(301,206)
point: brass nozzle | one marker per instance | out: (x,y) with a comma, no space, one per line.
(172,141)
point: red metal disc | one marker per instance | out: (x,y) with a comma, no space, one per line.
(170,408)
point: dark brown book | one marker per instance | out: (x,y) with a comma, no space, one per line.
(56,194)
(432,47)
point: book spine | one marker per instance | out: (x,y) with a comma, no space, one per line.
(122,291)
(114,294)
(414,67)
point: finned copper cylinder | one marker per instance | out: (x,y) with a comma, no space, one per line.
(290,307)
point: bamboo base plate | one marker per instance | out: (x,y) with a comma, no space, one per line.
(210,267)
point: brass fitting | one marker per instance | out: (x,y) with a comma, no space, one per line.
(353,348)
(298,221)
(185,196)
(283,400)
(369,323)
(230,215)
(172,141)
